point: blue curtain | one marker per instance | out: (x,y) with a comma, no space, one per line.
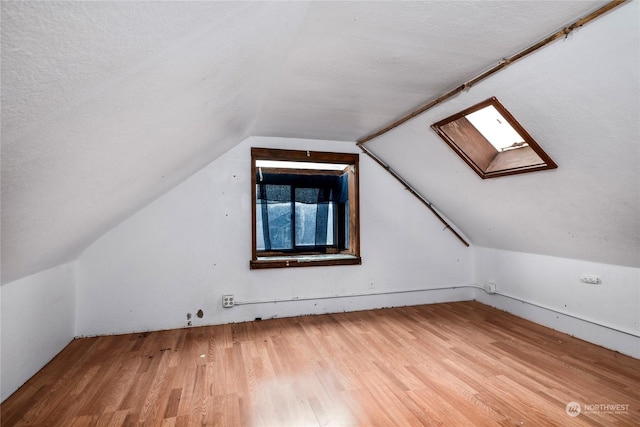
(290,204)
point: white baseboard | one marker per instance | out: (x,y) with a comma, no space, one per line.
(614,339)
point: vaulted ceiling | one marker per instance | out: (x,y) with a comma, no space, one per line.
(108,105)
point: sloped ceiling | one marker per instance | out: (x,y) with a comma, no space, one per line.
(108,105)
(580,100)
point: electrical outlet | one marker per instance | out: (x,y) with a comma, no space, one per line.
(591,279)
(490,287)
(227,301)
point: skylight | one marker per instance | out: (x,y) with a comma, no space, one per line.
(496,129)
(490,140)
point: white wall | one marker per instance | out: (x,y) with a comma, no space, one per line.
(554,283)
(38,318)
(184,251)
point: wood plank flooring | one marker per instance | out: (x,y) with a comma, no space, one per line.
(451,364)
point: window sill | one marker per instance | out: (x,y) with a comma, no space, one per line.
(304,261)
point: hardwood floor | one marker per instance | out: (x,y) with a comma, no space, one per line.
(447,364)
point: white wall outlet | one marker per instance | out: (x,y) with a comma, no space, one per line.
(591,279)
(490,287)
(227,301)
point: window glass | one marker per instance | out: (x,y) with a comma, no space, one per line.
(496,129)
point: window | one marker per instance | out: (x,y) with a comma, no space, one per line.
(305,210)
(492,142)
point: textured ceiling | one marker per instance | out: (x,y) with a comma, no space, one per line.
(108,105)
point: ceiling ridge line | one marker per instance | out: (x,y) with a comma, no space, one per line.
(502,63)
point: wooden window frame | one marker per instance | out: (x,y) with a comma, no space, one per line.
(483,157)
(276,259)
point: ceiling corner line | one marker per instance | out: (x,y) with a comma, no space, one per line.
(413,191)
(500,65)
